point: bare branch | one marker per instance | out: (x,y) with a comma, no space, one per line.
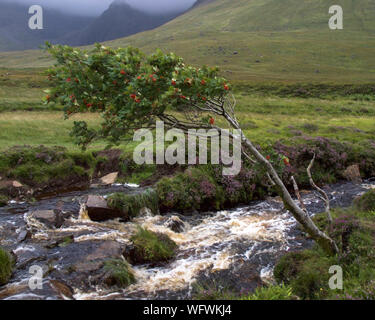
(323,194)
(296,190)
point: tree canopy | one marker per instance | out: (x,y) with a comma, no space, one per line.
(130,89)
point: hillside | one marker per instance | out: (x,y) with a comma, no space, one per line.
(262,40)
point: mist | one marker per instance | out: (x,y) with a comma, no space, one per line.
(96,7)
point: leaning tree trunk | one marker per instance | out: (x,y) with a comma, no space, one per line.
(301,216)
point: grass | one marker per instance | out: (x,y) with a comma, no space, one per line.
(6,266)
(131,205)
(273,41)
(152,247)
(120,274)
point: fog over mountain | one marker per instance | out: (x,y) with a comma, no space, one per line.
(83,22)
(96,7)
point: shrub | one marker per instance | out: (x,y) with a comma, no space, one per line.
(366,202)
(6,266)
(332,157)
(306,272)
(191,190)
(131,205)
(120,273)
(152,247)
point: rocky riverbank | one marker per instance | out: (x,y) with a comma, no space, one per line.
(236,249)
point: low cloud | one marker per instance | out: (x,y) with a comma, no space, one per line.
(96,7)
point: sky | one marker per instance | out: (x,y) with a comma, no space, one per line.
(96,7)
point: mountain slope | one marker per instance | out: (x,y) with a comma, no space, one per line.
(272,39)
(119,20)
(264,40)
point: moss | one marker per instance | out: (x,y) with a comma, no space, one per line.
(366,202)
(120,273)
(3,200)
(6,266)
(132,204)
(152,247)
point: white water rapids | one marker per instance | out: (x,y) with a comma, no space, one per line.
(209,244)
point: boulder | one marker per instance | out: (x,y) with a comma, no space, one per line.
(109,178)
(17,184)
(23,235)
(98,210)
(353,174)
(50,218)
(175,224)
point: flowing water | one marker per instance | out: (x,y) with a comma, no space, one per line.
(235,248)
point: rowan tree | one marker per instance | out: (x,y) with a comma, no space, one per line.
(132,90)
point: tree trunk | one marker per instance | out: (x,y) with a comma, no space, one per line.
(302,217)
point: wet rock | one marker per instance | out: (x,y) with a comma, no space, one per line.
(83,262)
(244,278)
(353,174)
(23,235)
(50,218)
(62,289)
(175,224)
(98,210)
(60,242)
(109,178)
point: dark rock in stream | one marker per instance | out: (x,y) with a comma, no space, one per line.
(50,218)
(98,210)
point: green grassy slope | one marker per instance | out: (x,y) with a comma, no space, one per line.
(261,40)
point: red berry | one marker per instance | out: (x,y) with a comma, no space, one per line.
(268,157)
(133,96)
(68,80)
(173,83)
(226,87)
(203,82)
(212,121)
(122,72)
(137,100)
(139,77)
(76,80)
(286,161)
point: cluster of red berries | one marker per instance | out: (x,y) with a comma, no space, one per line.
(134,97)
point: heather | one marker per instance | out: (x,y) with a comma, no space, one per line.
(307,271)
